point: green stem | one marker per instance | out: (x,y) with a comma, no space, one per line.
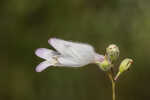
(113,85)
(113,91)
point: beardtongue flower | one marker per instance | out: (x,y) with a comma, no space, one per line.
(67,54)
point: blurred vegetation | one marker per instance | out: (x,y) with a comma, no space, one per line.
(26,25)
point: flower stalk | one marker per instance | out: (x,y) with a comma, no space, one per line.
(113,90)
(110,75)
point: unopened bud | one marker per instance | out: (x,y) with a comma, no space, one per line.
(124,66)
(112,52)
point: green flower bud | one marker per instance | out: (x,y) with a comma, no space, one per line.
(112,52)
(124,66)
(105,65)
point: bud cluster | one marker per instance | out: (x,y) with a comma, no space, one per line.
(111,56)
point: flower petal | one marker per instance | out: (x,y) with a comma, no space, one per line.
(43,65)
(82,53)
(45,53)
(68,62)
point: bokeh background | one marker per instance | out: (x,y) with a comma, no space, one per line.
(26,25)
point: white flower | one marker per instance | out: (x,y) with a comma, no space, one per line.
(68,54)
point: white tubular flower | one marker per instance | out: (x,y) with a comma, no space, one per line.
(67,54)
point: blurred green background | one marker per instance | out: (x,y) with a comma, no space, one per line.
(26,25)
